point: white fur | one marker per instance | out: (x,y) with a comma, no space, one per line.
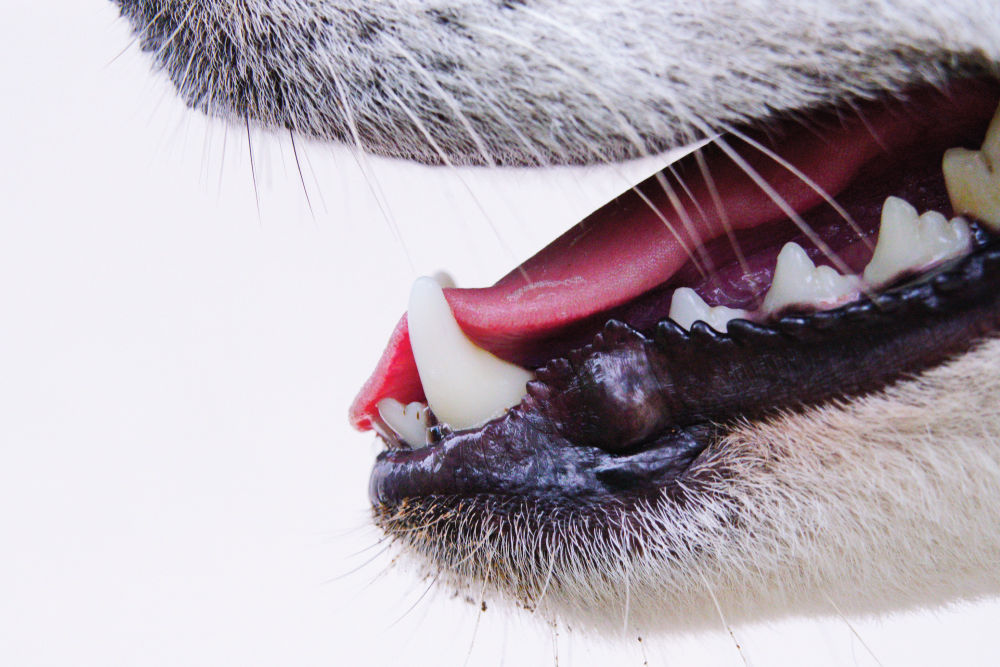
(547,81)
(884,502)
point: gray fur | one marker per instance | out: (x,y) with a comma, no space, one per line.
(883,502)
(547,81)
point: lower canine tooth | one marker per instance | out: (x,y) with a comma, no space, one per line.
(799,282)
(465,385)
(686,308)
(907,242)
(973,178)
(409,421)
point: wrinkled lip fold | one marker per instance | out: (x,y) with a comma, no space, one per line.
(618,262)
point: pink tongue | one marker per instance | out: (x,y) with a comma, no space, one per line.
(625,248)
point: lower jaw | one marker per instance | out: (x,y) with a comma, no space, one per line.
(574,442)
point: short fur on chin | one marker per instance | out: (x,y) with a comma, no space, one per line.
(877,504)
(547,81)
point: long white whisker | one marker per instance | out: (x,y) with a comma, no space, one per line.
(720,210)
(815,187)
(854,632)
(785,207)
(360,157)
(722,617)
(422,128)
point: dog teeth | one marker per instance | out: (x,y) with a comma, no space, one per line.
(464,384)
(409,421)
(687,307)
(973,178)
(799,282)
(907,242)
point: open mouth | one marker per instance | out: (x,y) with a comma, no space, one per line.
(772,270)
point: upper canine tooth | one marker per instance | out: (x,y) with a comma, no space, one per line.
(686,308)
(907,242)
(798,281)
(973,178)
(465,385)
(408,421)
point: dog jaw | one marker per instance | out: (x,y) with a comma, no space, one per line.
(885,502)
(878,504)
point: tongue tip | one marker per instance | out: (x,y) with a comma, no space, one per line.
(395,375)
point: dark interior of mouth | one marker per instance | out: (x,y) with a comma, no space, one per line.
(624,261)
(623,408)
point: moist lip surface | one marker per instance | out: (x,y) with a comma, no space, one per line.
(623,261)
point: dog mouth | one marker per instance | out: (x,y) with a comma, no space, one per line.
(771,270)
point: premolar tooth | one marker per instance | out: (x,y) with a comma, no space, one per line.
(909,243)
(687,307)
(408,421)
(973,178)
(798,281)
(464,384)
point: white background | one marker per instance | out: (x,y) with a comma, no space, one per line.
(178,484)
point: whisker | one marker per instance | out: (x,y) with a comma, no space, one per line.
(479,616)
(448,99)
(139,34)
(815,187)
(626,128)
(722,617)
(253,171)
(422,128)
(302,178)
(689,225)
(785,207)
(354,570)
(720,210)
(222,158)
(851,627)
(176,31)
(418,601)
(361,160)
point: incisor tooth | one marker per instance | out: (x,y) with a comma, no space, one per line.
(798,281)
(973,178)
(907,242)
(408,421)
(686,308)
(465,385)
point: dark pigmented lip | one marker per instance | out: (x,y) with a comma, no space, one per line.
(623,419)
(624,403)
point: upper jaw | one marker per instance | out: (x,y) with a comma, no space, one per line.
(614,415)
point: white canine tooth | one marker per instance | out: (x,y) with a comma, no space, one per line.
(687,307)
(799,282)
(465,385)
(907,242)
(408,421)
(973,178)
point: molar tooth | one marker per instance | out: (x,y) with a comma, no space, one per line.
(798,281)
(465,385)
(686,308)
(409,422)
(907,242)
(973,178)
